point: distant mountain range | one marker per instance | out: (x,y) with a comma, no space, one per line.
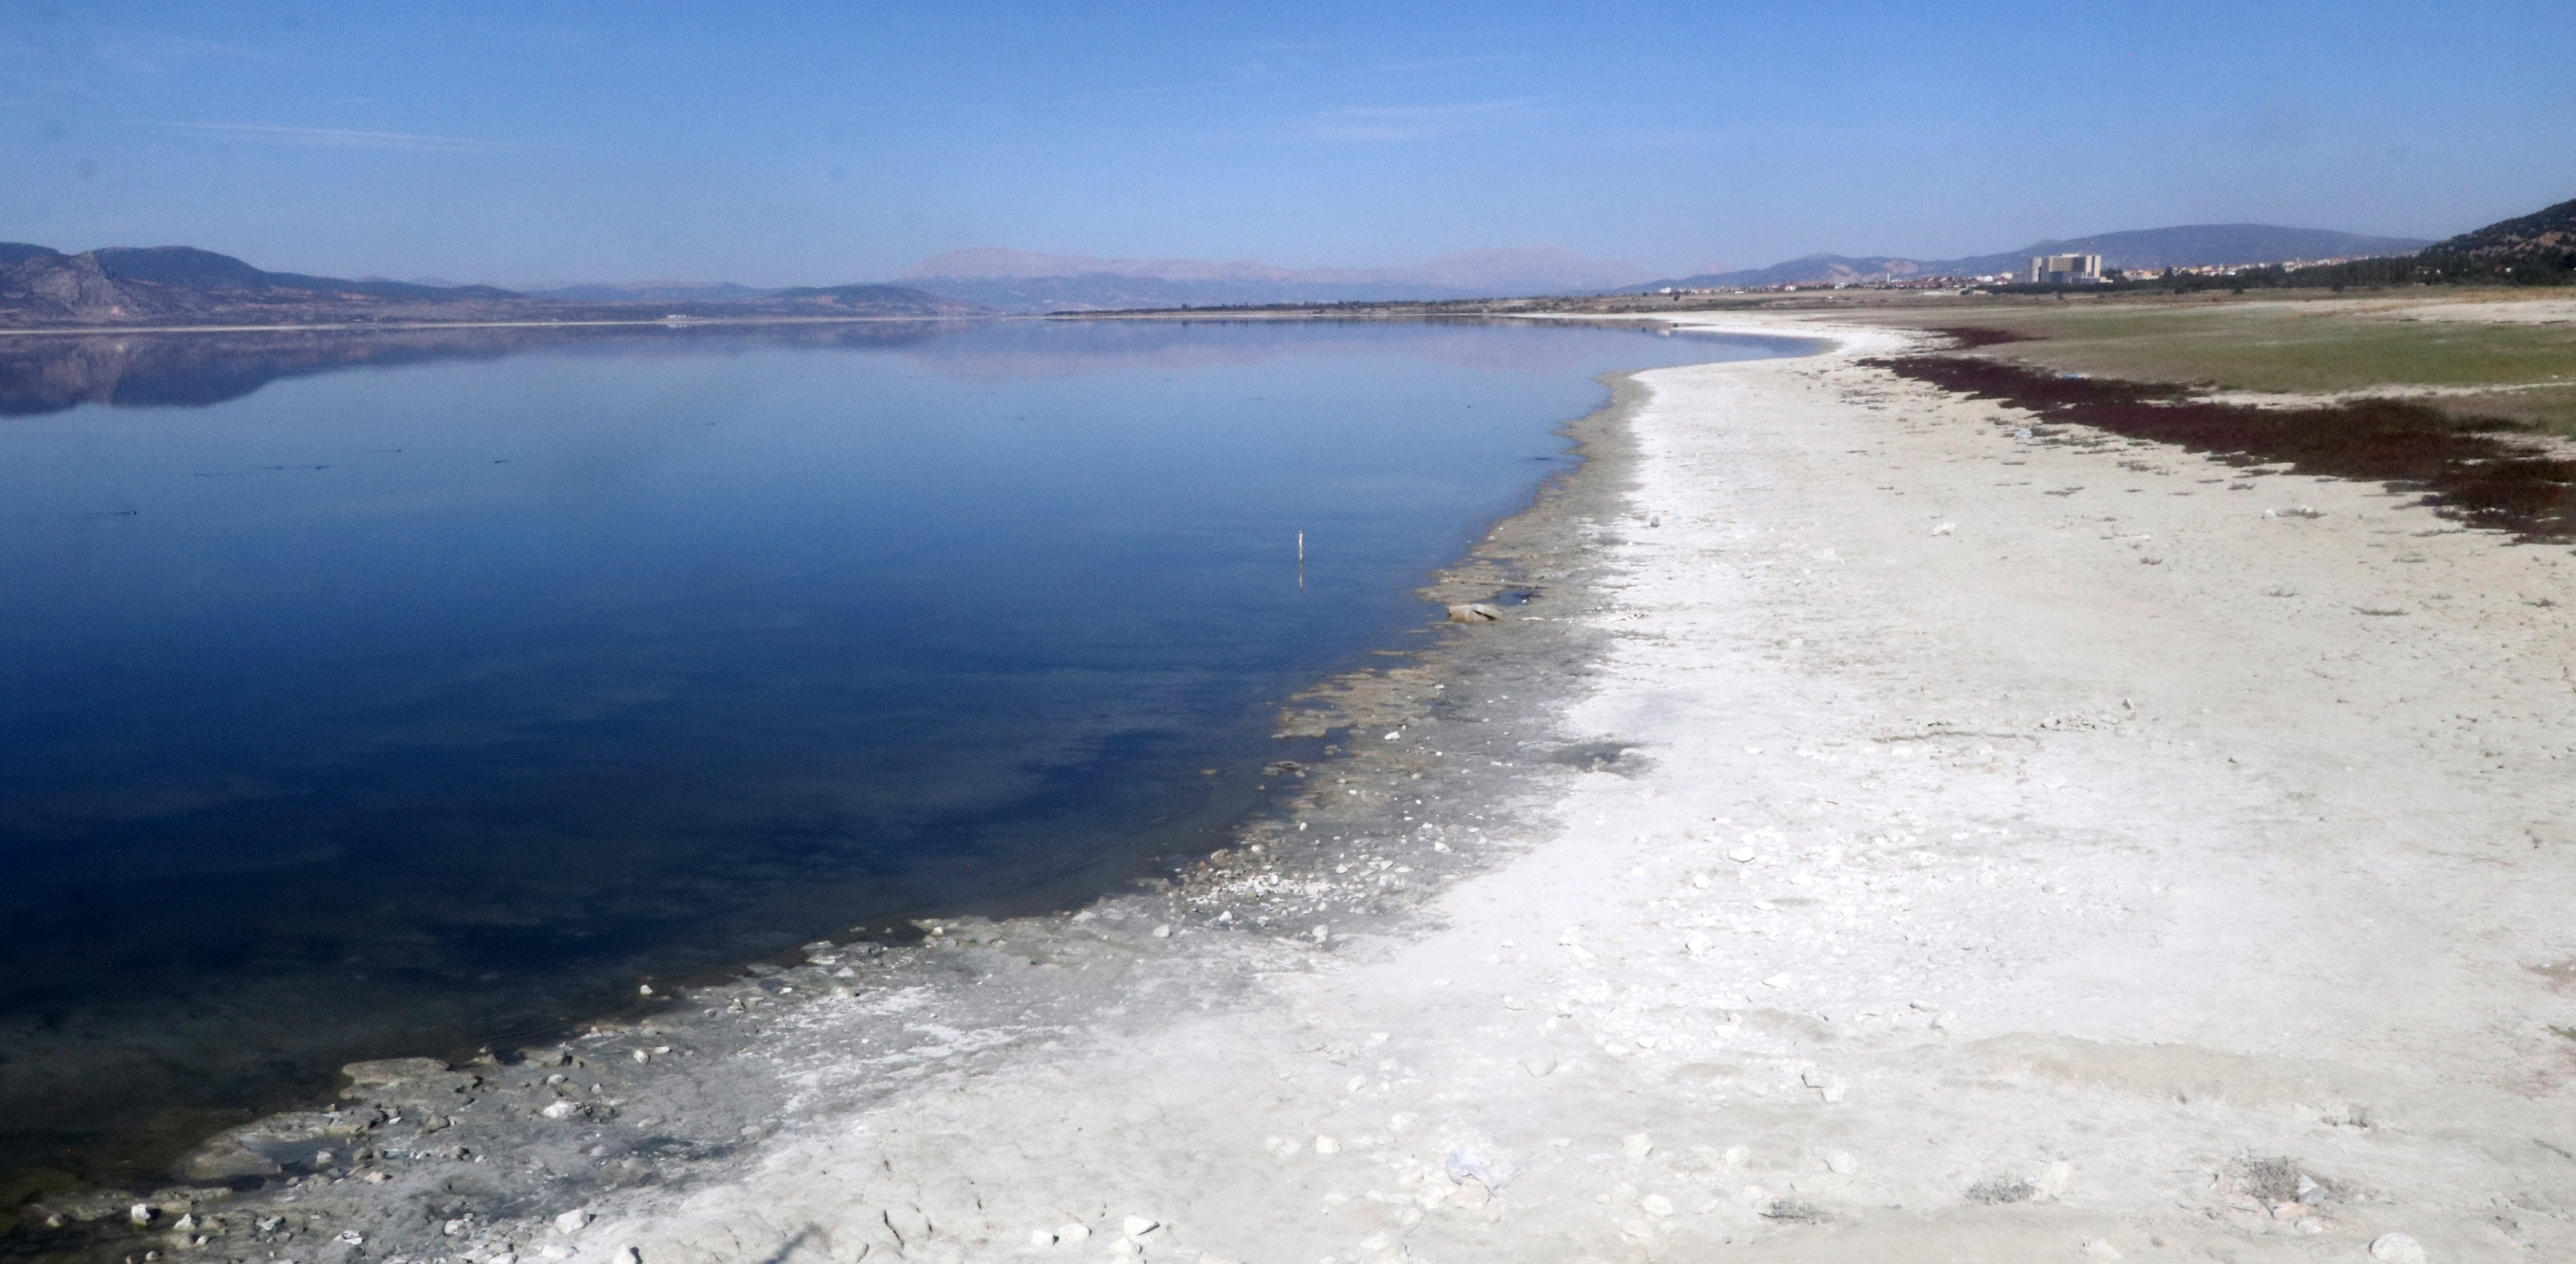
(164,285)
(2191,245)
(1024,281)
(652,292)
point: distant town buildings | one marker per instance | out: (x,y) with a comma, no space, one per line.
(2066,269)
(2043,270)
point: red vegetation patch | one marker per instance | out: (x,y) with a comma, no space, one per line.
(2466,471)
(1971,337)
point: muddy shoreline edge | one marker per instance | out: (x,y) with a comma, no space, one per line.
(420,1161)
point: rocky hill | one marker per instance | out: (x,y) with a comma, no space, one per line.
(2546,238)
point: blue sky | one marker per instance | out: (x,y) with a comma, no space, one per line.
(779,143)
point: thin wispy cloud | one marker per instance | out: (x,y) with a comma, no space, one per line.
(161,53)
(345,138)
(1415,122)
(1445,63)
(933,107)
(1204,85)
(1664,140)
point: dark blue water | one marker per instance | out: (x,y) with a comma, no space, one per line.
(362,698)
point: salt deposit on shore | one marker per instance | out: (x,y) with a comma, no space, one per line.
(1886,837)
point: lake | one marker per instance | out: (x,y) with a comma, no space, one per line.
(371,695)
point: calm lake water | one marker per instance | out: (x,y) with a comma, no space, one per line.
(374,696)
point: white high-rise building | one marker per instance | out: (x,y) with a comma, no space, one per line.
(2065,269)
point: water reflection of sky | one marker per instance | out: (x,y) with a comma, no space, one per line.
(417,693)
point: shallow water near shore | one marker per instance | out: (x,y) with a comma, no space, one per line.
(379,696)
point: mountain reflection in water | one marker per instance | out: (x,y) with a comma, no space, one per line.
(54,372)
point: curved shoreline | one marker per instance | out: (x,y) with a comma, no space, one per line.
(1887,837)
(357,1141)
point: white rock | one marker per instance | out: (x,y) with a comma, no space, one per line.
(140,1213)
(2397,1247)
(1074,1231)
(1139,1226)
(1696,943)
(1326,1145)
(1514,1002)
(1040,1237)
(1322,933)
(560,1110)
(1741,855)
(352,1237)
(628,1255)
(1540,1065)
(1945,528)
(572,1221)
(1736,1156)
(1163,932)
(1776,981)
(2059,1177)
(1842,1163)
(1637,1145)
(1655,1205)
(2098,1249)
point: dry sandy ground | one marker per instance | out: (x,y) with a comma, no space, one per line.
(2502,312)
(2027,849)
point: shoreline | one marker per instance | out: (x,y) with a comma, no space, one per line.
(1874,842)
(291,1140)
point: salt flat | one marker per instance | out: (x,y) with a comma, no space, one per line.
(2005,848)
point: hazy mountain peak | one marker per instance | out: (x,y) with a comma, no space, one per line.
(1001,263)
(1024,280)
